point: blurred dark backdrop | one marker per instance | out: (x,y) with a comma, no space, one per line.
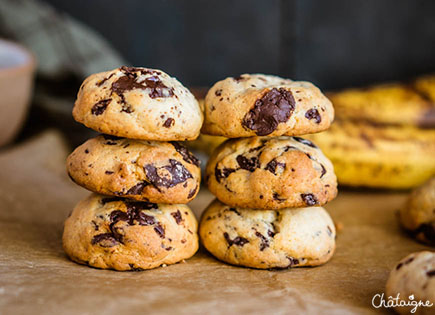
(334,43)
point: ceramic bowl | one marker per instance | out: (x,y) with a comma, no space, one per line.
(17,66)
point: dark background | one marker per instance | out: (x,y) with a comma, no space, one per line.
(334,43)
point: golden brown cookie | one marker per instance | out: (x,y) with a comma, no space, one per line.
(413,280)
(271,173)
(160,172)
(418,215)
(138,103)
(265,105)
(115,233)
(268,238)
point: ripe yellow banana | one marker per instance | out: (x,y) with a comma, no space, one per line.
(396,157)
(393,104)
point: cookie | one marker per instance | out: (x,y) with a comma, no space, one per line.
(160,172)
(271,173)
(414,279)
(115,233)
(265,105)
(268,238)
(138,103)
(418,215)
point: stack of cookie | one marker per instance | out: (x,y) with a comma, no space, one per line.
(269,183)
(136,218)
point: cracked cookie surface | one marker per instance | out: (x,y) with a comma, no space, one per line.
(265,105)
(114,233)
(268,238)
(271,173)
(138,103)
(160,172)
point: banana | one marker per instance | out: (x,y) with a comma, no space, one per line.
(396,157)
(392,104)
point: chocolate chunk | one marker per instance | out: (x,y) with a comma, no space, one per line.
(185,153)
(248,164)
(239,78)
(131,71)
(274,107)
(234,210)
(292,261)
(96,227)
(178,174)
(305,141)
(158,89)
(239,241)
(272,165)
(313,114)
(323,170)
(108,172)
(290,147)
(110,137)
(177,216)
(409,260)
(140,205)
(144,219)
(309,199)
(264,241)
(192,192)
(169,123)
(118,215)
(129,82)
(100,107)
(218,92)
(222,173)
(126,108)
(86,151)
(430,273)
(110,199)
(100,83)
(104,240)
(271,233)
(160,230)
(277,198)
(137,189)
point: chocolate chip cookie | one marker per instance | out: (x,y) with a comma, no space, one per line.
(115,233)
(268,238)
(418,215)
(161,172)
(414,279)
(271,173)
(265,105)
(138,103)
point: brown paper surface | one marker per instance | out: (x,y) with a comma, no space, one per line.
(37,278)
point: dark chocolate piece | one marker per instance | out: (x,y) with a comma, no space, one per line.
(239,241)
(309,199)
(274,107)
(185,153)
(100,107)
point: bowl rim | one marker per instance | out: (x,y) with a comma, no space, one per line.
(30,63)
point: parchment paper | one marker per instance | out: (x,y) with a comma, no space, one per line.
(37,278)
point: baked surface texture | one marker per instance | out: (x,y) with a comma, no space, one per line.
(138,103)
(271,173)
(114,233)
(265,105)
(268,238)
(160,172)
